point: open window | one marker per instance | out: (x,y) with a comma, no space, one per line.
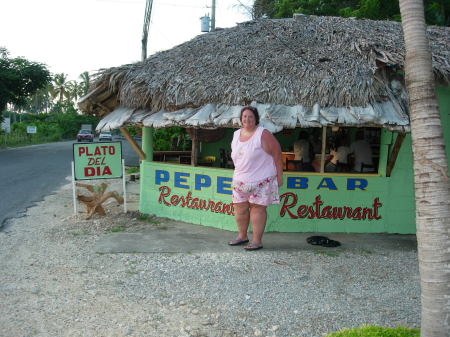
(331,149)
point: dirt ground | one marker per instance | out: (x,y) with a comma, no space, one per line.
(56,282)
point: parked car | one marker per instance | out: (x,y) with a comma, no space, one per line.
(85,136)
(105,135)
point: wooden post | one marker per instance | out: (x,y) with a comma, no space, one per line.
(147,143)
(133,143)
(194,152)
(395,150)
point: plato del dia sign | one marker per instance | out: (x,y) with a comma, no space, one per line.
(97,160)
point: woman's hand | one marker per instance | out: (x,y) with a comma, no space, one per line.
(279,180)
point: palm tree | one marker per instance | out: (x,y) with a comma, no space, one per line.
(41,101)
(74,91)
(85,82)
(60,86)
(432,190)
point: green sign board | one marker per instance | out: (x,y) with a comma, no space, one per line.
(97,160)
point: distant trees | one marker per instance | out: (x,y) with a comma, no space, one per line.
(85,82)
(29,87)
(437,12)
(20,79)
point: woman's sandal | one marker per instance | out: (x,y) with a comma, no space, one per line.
(253,246)
(237,242)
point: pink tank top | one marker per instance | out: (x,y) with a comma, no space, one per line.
(250,160)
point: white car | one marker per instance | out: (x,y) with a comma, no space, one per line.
(105,135)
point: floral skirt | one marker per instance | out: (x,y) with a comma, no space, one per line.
(263,192)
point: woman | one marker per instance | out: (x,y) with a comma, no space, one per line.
(258,174)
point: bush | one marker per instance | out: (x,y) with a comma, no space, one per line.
(50,127)
(376,331)
(173,138)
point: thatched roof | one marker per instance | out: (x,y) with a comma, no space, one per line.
(307,71)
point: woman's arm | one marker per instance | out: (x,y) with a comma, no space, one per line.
(271,145)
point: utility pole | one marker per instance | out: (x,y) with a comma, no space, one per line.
(147,16)
(213,16)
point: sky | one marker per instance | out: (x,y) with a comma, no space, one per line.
(74,36)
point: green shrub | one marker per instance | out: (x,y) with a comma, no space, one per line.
(50,127)
(173,138)
(376,331)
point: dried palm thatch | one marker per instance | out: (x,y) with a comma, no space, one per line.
(306,71)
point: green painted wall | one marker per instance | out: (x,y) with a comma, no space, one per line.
(332,190)
(395,194)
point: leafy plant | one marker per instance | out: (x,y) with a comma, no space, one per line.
(436,12)
(118,229)
(132,170)
(19,79)
(377,331)
(173,138)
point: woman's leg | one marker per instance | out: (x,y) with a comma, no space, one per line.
(258,217)
(242,216)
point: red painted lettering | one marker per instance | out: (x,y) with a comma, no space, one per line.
(165,191)
(356,215)
(317,203)
(376,204)
(174,200)
(106,171)
(286,205)
(89,171)
(217,208)
(315,211)
(302,211)
(194,203)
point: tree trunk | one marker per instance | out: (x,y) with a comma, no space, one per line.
(432,191)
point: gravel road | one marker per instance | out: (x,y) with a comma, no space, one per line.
(53,283)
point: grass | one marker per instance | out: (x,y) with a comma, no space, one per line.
(15,140)
(326,252)
(118,229)
(376,331)
(132,170)
(149,219)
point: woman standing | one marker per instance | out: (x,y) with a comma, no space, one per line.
(258,174)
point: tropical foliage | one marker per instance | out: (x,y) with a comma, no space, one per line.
(166,139)
(437,12)
(173,138)
(19,79)
(27,86)
(376,331)
(53,126)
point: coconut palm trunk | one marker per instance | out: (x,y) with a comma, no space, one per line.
(432,191)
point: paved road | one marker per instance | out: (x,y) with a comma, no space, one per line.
(28,174)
